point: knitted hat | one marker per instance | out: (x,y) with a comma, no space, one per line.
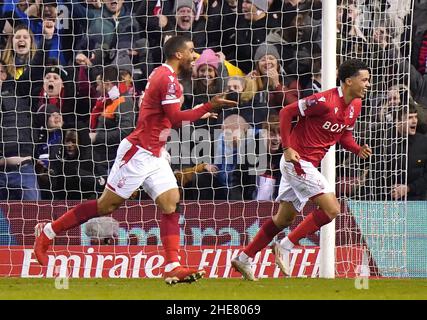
(266,49)
(208,57)
(260,4)
(59,70)
(184,3)
(123,61)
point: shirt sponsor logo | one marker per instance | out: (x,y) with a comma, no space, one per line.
(334,127)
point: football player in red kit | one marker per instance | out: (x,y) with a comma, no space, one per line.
(325,118)
(142,160)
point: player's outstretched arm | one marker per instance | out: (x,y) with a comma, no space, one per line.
(219,102)
(176,116)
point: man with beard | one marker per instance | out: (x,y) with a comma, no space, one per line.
(142,160)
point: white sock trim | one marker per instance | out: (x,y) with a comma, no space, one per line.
(243,257)
(48,231)
(286,243)
(170,266)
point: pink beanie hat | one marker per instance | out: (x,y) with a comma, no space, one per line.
(208,57)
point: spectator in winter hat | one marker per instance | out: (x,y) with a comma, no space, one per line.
(266,49)
(207,67)
(184,4)
(252,29)
(184,23)
(57,90)
(207,79)
(267,77)
(262,5)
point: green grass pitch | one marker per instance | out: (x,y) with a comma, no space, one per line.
(213,289)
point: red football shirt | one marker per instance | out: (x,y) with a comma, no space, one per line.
(324,120)
(160,110)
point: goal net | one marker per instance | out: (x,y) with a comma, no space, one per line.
(59,134)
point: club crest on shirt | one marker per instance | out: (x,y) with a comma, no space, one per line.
(351,113)
(314,101)
(171,89)
(310,102)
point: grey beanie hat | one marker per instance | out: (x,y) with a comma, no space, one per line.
(261,4)
(184,3)
(266,49)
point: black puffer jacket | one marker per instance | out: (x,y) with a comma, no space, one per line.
(16,132)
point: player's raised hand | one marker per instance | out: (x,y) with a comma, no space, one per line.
(365,152)
(291,155)
(219,102)
(48,29)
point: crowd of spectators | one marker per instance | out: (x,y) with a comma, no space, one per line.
(72,73)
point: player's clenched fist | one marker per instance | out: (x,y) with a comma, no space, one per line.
(291,155)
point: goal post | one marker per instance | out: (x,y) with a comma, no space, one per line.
(329,39)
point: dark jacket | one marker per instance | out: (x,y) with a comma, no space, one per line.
(118,34)
(248,37)
(16,131)
(417,167)
(418,86)
(393,170)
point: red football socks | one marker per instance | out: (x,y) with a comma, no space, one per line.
(76,216)
(263,238)
(169,234)
(313,222)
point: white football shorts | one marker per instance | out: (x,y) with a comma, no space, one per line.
(300,182)
(134,166)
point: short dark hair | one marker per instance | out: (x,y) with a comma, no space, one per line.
(351,68)
(110,73)
(403,111)
(173,45)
